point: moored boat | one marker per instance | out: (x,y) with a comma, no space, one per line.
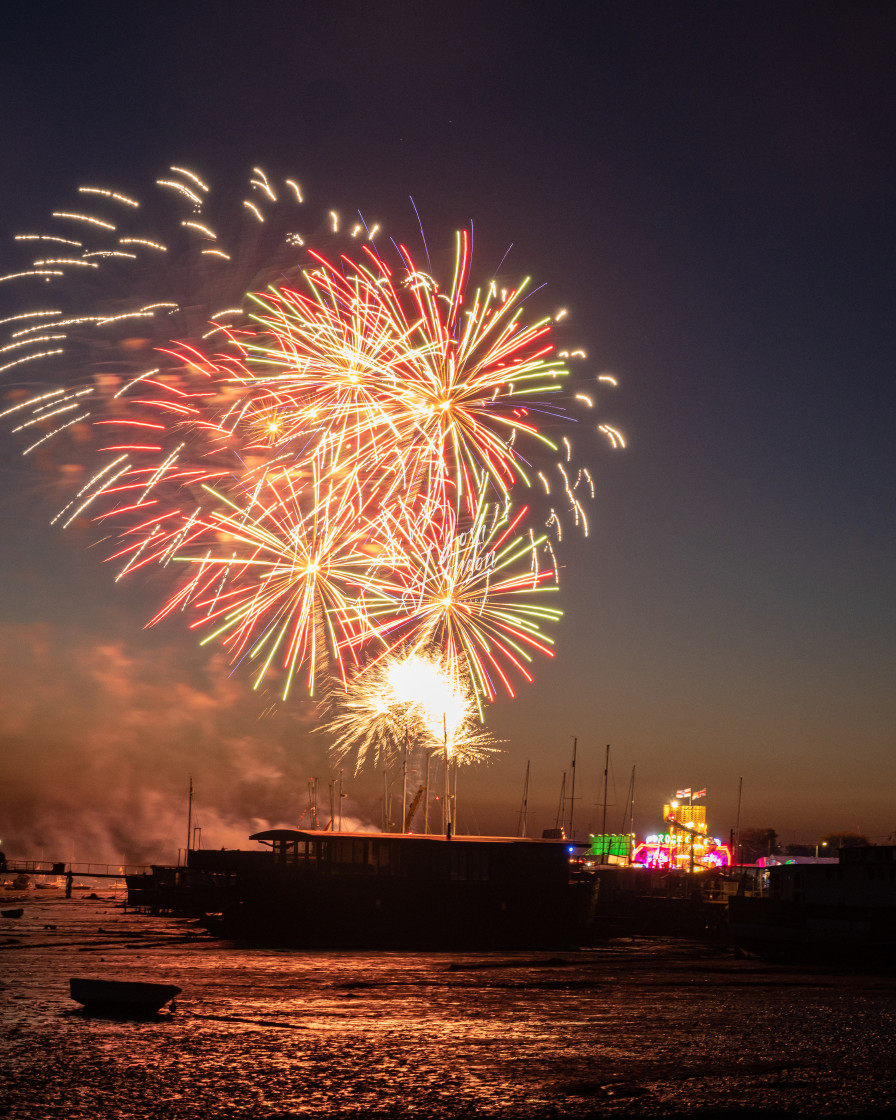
(830,911)
(123,996)
(327,889)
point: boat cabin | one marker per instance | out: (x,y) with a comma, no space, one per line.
(398,855)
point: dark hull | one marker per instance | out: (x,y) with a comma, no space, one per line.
(798,932)
(377,914)
(123,996)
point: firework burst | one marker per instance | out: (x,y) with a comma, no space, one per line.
(406,702)
(332,455)
(478,594)
(429,396)
(282,585)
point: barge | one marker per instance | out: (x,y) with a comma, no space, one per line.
(829,911)
(322,889)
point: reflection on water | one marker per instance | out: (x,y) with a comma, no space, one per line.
(635,1028)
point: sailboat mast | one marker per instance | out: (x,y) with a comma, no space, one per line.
(312,803)
(572,795)
(736,853)
(404,782)
(454,796)
(426,796)
(524,808)
(189,820)
(603,828)
(562,800)
(446,808)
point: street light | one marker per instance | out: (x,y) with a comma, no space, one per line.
(824,844)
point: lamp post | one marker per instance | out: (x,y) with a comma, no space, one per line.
(823,844)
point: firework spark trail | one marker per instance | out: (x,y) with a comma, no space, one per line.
(275,574)
(112,336)
(380,364)
(334,447)
(474,594)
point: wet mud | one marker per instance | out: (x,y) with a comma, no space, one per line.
(635,1027)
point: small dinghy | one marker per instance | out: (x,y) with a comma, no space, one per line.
(123,996)
(17,913)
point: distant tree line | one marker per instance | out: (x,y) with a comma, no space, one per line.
(757,842)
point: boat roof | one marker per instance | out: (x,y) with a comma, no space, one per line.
(325,834)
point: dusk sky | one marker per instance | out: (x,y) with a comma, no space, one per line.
(710,188)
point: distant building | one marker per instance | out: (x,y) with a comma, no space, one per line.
(685,843)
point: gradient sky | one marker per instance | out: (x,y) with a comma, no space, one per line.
(709,188)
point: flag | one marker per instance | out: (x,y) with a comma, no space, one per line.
(699,793)
(683,793)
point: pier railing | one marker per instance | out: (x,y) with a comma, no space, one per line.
(78,870)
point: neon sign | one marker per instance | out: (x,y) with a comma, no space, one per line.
(662,852)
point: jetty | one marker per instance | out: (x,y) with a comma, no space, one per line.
(40,868)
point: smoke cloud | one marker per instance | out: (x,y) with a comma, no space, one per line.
(99,737)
